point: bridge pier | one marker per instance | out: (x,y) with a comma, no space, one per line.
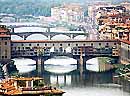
(39,66)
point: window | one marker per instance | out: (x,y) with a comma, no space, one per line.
(83,44)
(5,52)
(11,44)
(45,44)
(22,44)
(60,44)
(68,44)
(100,44)
(5,43)
(5,56)
(91,44)
(2,56)
(76,44)
(53,44)
(114,43)
(29,44)
(37,44)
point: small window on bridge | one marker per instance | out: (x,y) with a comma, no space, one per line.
(53,44)
(68,44)
(45,44)
(5,43)
(22,44)
(83,44)
(29,44)
(91,44)
(37,44)
(107,44)
(60,44)
(114,43)
(100,44)
(5,56)
(76,44)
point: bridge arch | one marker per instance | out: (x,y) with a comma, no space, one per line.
(36,37)
(16,37)
(60,37)
(80,37)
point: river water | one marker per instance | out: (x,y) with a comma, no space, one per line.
(88,83)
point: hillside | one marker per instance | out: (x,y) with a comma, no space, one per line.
(37,7)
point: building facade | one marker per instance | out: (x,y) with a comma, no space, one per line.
(5,44)
(68,13)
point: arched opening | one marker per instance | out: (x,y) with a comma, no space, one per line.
(36,37)
(60,64)
(60,37)
(16,37)
(80,37)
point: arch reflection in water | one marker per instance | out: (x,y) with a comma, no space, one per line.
(60,80)
(60,64)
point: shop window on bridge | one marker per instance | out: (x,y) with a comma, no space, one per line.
(61,49)
(27,47)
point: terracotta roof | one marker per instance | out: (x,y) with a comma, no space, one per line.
(125,41)
(3,30)
(4,35)
(27,79)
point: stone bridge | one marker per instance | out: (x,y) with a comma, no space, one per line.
(79,50)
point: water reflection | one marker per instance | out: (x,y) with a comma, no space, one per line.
(91,84)
(88,83)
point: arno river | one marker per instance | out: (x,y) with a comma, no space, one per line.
(88,84)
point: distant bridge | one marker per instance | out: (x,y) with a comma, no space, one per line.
(45,30)
(16,17)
